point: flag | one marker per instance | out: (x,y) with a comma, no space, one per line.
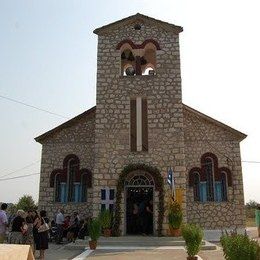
(170,177)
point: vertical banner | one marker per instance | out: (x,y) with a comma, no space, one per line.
(179,196)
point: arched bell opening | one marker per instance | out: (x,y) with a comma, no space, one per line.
(127,60)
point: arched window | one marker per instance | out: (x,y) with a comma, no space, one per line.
(224,185)
(84,182)
(196,186)
(210,178)
(73,186)
(70,183)
(209,182)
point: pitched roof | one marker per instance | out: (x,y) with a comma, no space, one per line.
(239,134)
(68,123)
(92,111)
(139,17)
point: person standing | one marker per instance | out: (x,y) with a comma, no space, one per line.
(74,228)
(19,228)
(28,237)
(42,242)
(3,222)
(59,223)
(257,219)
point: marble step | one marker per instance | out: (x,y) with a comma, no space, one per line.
(137,242)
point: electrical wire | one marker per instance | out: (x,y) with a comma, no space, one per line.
(25,167)
(18,177)
(31,106)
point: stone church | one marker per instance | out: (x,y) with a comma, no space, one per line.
(117,154)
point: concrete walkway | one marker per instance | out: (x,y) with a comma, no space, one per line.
(59,252)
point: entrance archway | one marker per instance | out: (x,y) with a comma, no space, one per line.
(119,219)
(139,203)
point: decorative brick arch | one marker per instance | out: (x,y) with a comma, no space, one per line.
(138,46)
(64,171)
(217,171)
(158,184)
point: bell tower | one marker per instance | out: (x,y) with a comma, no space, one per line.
(139,116)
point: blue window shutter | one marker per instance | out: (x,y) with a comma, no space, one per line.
(63,192)
(77,192)
(218,191)
(203,192)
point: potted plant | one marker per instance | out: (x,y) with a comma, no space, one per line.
(192,235)
(175,218)
(94,232)
(106,219)
(239,246)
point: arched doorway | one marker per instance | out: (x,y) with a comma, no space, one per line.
(119,216)
(139,203)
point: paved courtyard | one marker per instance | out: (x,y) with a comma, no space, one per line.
(59,252)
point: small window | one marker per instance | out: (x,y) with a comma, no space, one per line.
(137,27)
(107,198)
(103,194)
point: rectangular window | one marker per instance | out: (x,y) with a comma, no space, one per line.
(107,198)
(77,192)
(218,191)
(112,194)
(203,192)
(63,192)
(103,207)
(138,125)
(103,194)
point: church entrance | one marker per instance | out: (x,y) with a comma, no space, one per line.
(139,211)
(139,198)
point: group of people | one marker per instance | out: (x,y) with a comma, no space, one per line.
(140,218)
(69,227)
(35,229)
(25,228)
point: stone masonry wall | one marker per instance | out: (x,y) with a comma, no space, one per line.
(202,136)
(77,139)
(165,118)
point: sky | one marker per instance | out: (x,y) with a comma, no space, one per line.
(48,60)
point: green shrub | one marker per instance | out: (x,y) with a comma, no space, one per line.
(175,215)
(105,219)
(192,235)
(236,246)
(94,228)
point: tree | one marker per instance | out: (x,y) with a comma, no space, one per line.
(26,203)
(252,204)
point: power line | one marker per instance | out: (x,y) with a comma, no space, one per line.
(40,109)
(250,162)
(28,175)
(18,177)
(25,167)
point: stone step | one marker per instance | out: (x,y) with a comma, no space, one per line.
(137,242)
